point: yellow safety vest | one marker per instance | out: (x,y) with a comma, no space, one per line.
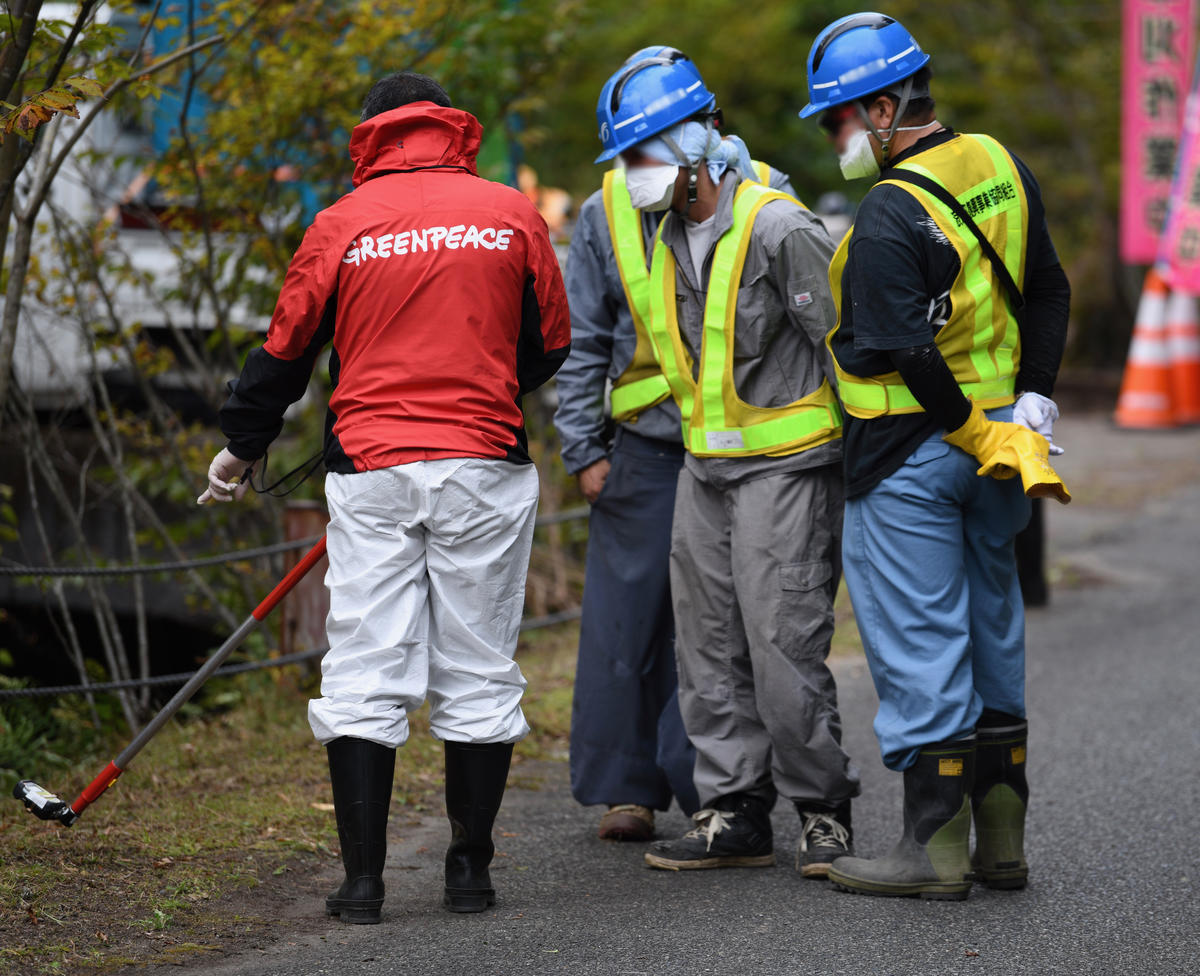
(716,421)
(642,385)
(981,342)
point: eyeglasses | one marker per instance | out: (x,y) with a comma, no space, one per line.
(833,120)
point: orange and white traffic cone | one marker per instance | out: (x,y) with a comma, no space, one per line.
(1183,348)
(1145,400)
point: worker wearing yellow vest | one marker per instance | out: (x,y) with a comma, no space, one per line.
(629,751)
(738,309)
(953,311)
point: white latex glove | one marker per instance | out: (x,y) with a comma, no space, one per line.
(228,478)
(1038,413)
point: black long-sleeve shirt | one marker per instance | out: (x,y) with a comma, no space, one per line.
(895,297)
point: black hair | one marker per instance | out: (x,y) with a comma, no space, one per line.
(920,107)
(400,89)
(919,110)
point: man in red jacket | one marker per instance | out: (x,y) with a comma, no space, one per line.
(444,303)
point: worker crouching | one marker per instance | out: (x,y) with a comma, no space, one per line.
(442,297)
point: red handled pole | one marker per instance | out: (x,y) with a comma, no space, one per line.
(47,806)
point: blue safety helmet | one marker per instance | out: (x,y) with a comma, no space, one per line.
(653,90)
(858,56)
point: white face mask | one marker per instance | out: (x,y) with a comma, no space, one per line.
(859,158)
(651,187)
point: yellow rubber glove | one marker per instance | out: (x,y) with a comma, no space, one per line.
(1006,450)
(982,438)
(1040,480)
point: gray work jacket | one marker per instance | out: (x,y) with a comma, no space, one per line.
(603,339)
(784,311)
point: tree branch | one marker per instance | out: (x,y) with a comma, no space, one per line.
(27,215)
(64,50)
(15,53)
(38,195)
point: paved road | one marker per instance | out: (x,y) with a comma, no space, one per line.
(1115,860)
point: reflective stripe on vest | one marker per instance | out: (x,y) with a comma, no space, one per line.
(716,422)
(981,342)
(763,172)
(642,385)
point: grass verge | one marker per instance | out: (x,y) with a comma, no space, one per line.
(166,863)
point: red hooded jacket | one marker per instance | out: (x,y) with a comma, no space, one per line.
(440,292)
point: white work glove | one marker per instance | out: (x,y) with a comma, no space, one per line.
(1038,413)
(228,478)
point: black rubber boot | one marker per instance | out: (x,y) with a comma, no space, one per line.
(998,800)
(932,859)
(734,832)
(361,774)
(476,774)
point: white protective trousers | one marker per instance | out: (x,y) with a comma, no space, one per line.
(427,566)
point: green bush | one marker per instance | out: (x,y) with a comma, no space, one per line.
(28,732)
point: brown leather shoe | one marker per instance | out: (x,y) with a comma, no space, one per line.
(627,821)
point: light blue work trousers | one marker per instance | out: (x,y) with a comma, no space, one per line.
(928,559)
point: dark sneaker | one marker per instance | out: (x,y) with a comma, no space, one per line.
(825,836)
(739,837)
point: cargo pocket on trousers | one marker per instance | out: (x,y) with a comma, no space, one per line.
(803,577)
(806,609)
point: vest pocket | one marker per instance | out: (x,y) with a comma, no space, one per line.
(807,300)
(758,318)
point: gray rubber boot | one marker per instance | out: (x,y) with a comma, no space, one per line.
(361,774)
(998,800)
(932,859)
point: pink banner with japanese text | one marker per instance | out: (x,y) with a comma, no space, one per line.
(1158,46)
(1181,240)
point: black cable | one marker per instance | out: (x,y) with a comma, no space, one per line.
(149,568)
(531,623)
(312,464)
(162,679)
(551,619)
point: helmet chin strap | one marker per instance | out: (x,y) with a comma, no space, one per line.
(886,141)
(693,181)
(681,157)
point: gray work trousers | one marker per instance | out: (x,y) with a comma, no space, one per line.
(754,570)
